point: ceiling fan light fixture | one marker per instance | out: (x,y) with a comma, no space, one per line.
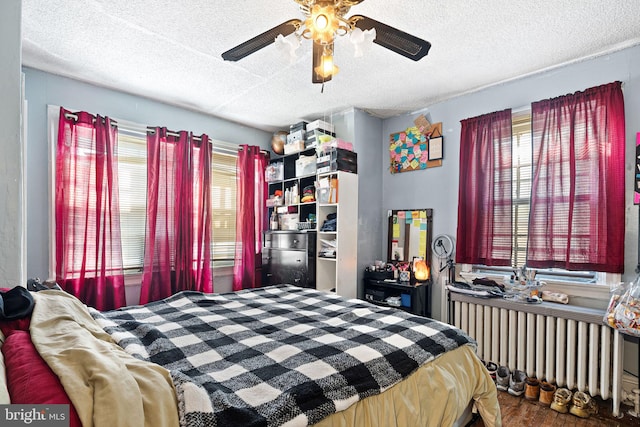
(287,46)
(362,40)
(327,67)
(322,24)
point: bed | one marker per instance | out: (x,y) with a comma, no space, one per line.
(279,355)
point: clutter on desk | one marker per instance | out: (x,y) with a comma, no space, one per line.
(380,270)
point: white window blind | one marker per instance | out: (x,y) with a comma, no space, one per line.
(223,206)
(521,186)
(132,180)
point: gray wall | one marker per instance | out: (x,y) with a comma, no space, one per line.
(363,131)
(367,130)
(44,88)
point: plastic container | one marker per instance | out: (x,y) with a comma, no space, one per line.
(406,300)
(306,165)
(274,172)
(322,195)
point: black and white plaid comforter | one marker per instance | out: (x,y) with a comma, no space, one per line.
(279,355)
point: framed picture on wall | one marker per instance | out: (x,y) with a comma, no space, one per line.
(435,148)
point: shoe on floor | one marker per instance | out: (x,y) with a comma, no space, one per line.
(492,368)
(516,382)
(502,378)
(583,405)
(532,388)
(561,399)
(546,393)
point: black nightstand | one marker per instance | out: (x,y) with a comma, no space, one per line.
(415,299)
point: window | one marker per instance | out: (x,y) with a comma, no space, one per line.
(521,194)
(132,169)
(132,181)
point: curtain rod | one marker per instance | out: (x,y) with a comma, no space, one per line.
(72,116)
(152,130)
(132,127)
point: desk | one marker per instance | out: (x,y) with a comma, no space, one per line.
(377,291)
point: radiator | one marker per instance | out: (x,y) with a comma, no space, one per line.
(572,348)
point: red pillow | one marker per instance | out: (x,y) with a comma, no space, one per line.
(8,326)
(29,378)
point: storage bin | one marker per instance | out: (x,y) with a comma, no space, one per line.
(274,172)
(298,126)
(406,300)
(274,201)
(337,159)
(298,135)
(306,165)
(320,124)
(322,195)
(294,147)
(288,221)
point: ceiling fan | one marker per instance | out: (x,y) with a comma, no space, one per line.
(325,19)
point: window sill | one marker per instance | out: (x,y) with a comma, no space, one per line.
(135,279)
(596,291)
(565,311)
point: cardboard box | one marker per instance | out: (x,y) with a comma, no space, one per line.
(298,135)
(320,124)
(298,126)
(294,147)
(338,159)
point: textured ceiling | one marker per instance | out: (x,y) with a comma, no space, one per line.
(171,51)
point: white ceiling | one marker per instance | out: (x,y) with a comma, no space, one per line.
(171,51)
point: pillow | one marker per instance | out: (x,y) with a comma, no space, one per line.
(6,326)
(29,378)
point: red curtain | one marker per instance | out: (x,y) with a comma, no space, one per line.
(577,199)
(178,233)
(484,233)
(88,246)
(250,216)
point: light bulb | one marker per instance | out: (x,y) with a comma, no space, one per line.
(327,68)
(321,22)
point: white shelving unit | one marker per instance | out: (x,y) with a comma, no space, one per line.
(340,274)
(293,179)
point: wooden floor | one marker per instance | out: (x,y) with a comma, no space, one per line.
(518,411)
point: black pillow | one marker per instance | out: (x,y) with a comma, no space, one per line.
(15,303)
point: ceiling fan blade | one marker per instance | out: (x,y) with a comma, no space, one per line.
(318,49)
(393,39)
(262,40)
